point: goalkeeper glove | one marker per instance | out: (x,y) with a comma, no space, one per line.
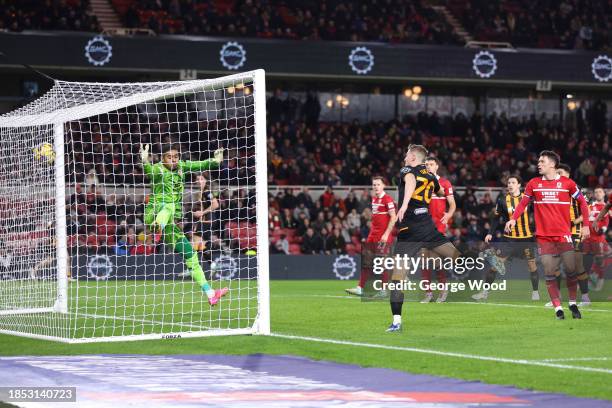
(144,153)
(218,155)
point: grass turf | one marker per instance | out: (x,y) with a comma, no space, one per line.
(319,309)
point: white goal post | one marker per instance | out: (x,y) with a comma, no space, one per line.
(100,241)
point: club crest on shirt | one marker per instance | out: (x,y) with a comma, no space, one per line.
(558,184)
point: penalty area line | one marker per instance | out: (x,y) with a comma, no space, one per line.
(444,353)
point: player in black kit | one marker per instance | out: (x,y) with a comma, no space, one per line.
(416,228)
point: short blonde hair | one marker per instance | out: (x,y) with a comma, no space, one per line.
(419,150)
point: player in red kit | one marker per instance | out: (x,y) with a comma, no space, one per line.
(596,245)
(551,195)
(441,218)
(380,238)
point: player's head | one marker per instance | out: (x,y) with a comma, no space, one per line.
(171,156)
(599,194)
(564,170)
(514,184)
(415,155)
(433,164)
(548,162)
(378,184)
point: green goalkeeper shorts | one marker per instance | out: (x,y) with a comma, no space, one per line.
(171,233)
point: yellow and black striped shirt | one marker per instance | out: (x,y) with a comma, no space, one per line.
(504,208)
(575,213)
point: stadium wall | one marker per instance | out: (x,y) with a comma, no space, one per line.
(103,267)
(303,59)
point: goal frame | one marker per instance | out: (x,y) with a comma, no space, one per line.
(261,324)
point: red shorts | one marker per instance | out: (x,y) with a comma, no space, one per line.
(377,239)
(554,245)
(596,247)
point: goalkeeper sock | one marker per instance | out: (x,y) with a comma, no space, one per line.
(197,273)
(183,247)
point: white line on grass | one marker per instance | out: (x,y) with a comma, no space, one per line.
(460,303)
(136,320)
(444,353)
(527,306)
(579,359)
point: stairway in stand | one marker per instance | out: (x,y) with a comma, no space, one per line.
(107,17)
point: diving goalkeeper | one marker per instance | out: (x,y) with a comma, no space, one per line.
(165,207)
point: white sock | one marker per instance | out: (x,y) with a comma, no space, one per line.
(397,319)
(558,308)
(572,302)
(210,293)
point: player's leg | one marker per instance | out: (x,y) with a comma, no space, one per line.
(532,267)
(160,218)
(583,279)
(396,299)
(551,266)
(426,275)
(568,258)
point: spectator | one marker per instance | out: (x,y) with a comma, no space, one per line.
(287,220)
(281,246)
(327,198)
(311,243)
(335,243)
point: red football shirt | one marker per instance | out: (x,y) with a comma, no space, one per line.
(552,200)
(437,205)
(380,213)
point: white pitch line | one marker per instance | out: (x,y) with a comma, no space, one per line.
(460,303)
(135,320)
(578,359)
(444,353)
(586,308)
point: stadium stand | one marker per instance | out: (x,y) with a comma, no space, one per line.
(386,21)
(69,15)
(569,24)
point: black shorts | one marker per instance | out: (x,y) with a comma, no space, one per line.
(416,235)
(522,248)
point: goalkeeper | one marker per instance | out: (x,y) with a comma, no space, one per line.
(165,207)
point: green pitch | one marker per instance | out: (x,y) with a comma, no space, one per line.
(511,343)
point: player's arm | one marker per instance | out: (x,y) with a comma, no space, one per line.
(494,220)
(200,165)
(214,204)
(584,211)
(392,221)
(149,169)
(410,182)
(452,206)
(520,209)
(603,213)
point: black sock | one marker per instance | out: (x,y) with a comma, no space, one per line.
(397,301)
(583,283)
(535,280)
(491,276)
(558,278)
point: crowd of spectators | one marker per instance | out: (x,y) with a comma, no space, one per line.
(113,222)
(72,15)
(569,24)
(475,151)
(393,21)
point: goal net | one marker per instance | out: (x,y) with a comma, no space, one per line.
(130,211)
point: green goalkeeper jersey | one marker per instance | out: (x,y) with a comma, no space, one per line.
(168,185)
